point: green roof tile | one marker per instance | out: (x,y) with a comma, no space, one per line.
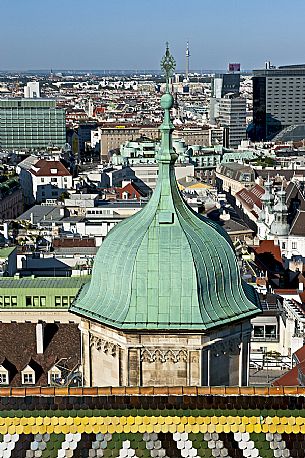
(16,290)
(6,251)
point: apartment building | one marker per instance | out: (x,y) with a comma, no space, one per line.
(278,100)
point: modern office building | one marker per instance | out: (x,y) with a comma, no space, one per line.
(225,83)
(278,100)
(221,85)
(32,90)
(232,118)
(31,124)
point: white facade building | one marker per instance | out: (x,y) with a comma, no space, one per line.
(32,90)
(147,173)
(282,219)
(44,179)
(277,334)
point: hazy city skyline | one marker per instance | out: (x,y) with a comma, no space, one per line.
(130,34)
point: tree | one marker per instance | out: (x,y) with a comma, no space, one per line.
(64,195)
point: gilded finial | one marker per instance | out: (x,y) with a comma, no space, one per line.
(168,65)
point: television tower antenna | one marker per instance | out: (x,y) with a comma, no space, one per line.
(187,55)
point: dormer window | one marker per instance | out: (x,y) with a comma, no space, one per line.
(54,376)
(4,376)
(28,376)
(54,171)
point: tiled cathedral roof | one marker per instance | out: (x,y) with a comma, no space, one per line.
(152,422)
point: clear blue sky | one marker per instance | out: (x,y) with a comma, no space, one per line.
(130,34)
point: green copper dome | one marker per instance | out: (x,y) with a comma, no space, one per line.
(166,267)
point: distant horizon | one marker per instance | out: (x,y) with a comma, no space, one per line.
(129,70)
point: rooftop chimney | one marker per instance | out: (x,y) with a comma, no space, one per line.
(224,216)
(39,338)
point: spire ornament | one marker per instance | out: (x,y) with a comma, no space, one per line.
(168,65)
(166,154)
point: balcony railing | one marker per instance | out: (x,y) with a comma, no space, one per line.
(274,338)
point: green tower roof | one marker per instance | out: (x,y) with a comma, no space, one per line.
(166,267)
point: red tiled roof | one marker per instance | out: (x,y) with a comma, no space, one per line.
(291,377)
(286,291)
(268,246)
(279,147)
(70,243)
(258,191)
(300,354)
(44,169)
(251,197)
(302,297)
(132,190)
(60,341)
(99,110)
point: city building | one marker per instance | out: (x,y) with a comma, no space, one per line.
(296,375)
(84,132)
(72,222)
(271,335)
(34,299)
(43,353)
(282,218)
(232,177)
(228,219)
(111,137)
(43,179)
(225,83)
(249,200)
(221,85)
(8,261)
(192,135)
(143,151)
(216,136)
(277,100)
(145,174)
(35,318)
(232,117)
(30,124)
(32,90)
(11,199)
(77,204)
(170,308)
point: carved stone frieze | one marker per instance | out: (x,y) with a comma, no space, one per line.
(152,355)
(106,346)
